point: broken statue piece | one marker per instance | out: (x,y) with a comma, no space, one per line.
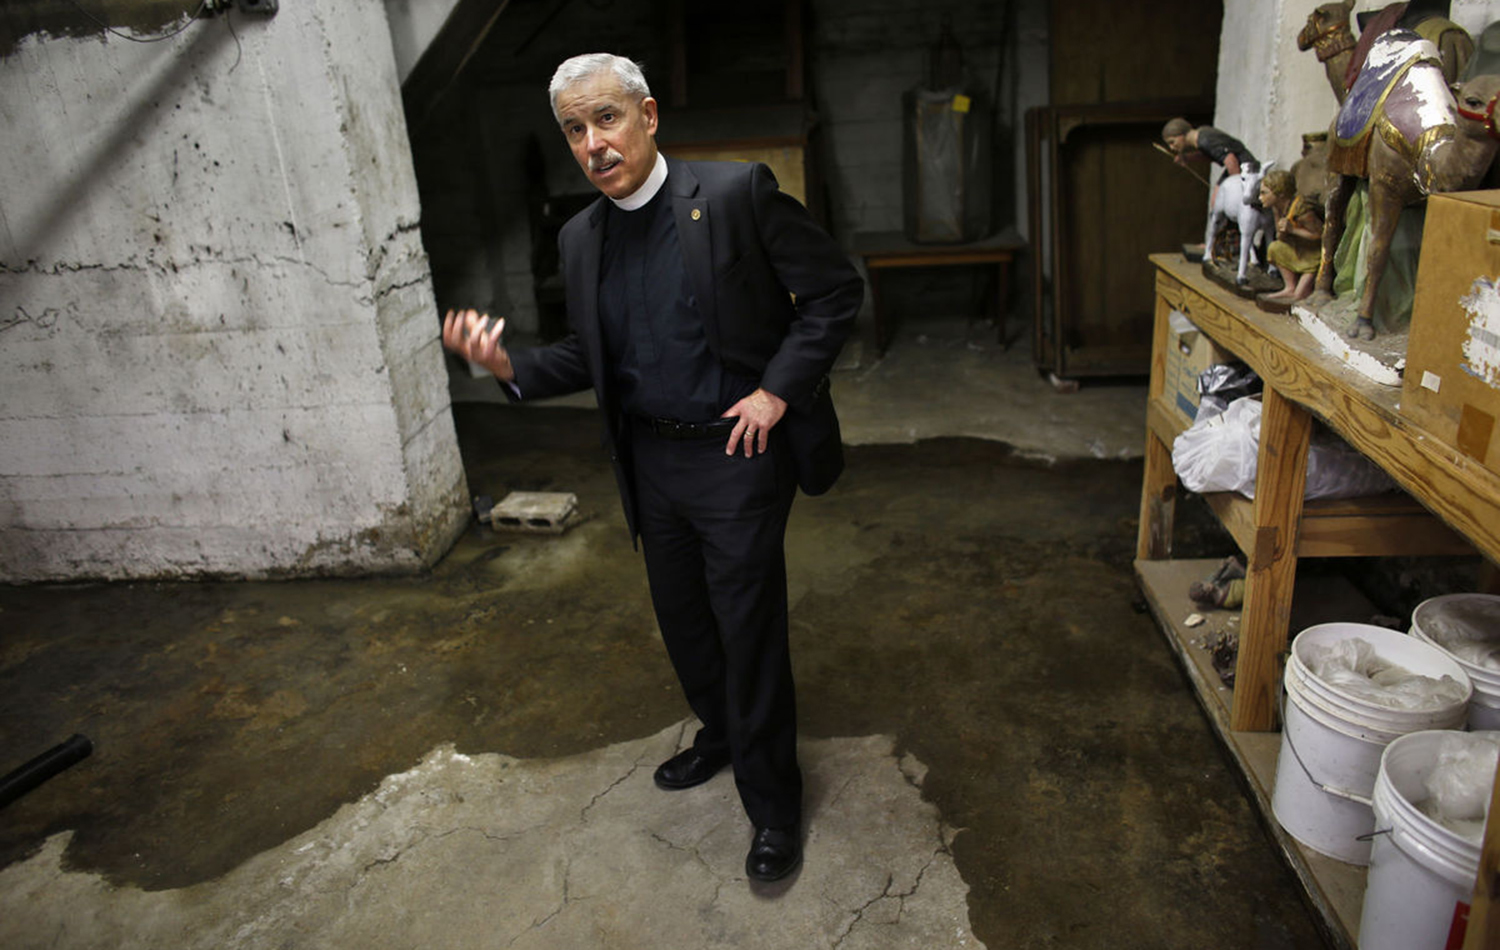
(1224,650)
(1224,588)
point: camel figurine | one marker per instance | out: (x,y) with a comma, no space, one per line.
(1402,129)
(1237,199)
(1327,30)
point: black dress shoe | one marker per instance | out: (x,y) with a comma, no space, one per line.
(774,853)
(688,768)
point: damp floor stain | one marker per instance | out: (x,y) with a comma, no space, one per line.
(975,607)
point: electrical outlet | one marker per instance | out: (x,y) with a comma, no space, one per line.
(261,7)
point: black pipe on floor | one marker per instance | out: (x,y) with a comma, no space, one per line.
(22,780)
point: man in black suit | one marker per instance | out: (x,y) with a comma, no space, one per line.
(706,309)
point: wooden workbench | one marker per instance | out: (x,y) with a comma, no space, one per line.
(1451,505)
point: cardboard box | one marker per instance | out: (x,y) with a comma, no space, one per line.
(1189,353)
(1451,385)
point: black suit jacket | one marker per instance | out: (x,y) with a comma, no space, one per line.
(777,295)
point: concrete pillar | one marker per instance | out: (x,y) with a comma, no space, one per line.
(218,341)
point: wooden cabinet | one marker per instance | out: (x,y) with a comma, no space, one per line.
(1096,187)
(1451,506)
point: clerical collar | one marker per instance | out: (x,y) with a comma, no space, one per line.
(638,198)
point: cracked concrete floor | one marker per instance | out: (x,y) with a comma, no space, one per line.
(957,606)
(491,851)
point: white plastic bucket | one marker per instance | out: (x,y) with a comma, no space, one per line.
(1331,740)
(1476,616)
(1420,871)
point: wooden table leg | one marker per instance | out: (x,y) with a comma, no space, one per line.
(1159,481)
(1158,502)
(1002,298)
(1280,481)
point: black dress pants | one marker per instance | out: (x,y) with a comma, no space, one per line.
(712,527)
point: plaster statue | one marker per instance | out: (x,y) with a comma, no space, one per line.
(1429,20)
(1299,233)
(1237,199)
(1206,143)
(1327,30)
(1230,198)
(1402,129)
(1311,170)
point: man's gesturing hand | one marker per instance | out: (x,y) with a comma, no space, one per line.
(471,336)
(757,412)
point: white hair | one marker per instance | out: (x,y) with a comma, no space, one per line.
(576,70)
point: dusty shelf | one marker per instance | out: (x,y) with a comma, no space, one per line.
(1335,889)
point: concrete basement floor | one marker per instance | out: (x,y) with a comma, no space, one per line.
(1000,749)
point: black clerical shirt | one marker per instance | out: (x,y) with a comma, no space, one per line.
(653,330)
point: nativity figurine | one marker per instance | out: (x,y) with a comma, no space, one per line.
(1403,130)
(1299,239)
(1233,198)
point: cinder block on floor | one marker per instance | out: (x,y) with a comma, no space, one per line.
(535,511)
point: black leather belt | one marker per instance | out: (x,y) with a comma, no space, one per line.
(681,431)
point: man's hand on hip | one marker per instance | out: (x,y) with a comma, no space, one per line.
(757,413)
(471,336)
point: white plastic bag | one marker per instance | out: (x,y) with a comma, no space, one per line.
(1460,783)
(1218,452)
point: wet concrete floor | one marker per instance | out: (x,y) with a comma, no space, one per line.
(975,606)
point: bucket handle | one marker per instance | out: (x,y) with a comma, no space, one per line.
(1330,789)
(1374,834)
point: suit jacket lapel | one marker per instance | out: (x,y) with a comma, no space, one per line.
(590,250)
(694,235)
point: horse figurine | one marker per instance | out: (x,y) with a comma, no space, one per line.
(1403,130)
(1238,199)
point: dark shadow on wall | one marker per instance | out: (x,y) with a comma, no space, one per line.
(132,124)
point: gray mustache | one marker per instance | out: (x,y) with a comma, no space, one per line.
(597,162)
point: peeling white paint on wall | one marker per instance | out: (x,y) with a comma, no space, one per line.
(1270,93)
(217,331)
(1481,344)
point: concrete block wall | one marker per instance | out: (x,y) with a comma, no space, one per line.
(865,55)
(218,337)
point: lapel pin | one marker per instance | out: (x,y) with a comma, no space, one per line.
(697,214)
